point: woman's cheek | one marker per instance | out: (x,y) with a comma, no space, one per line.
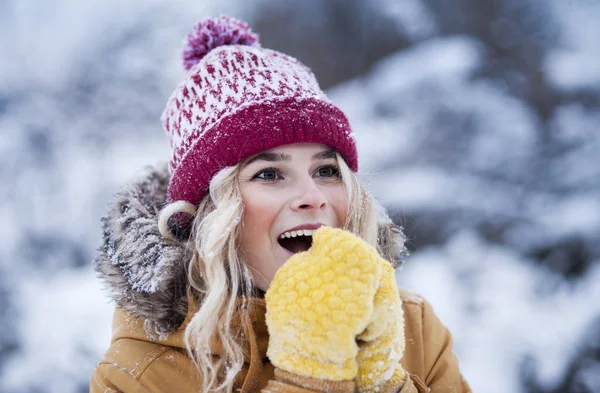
(261,208)
(340,204)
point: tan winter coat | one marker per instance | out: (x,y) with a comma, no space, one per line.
(147,351)
(136,363)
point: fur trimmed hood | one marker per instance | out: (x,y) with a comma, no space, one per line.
(145,274)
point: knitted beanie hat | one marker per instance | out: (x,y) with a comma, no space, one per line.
(239,99)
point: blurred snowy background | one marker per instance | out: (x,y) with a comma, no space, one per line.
(477,123)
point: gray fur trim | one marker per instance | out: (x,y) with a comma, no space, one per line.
(144,273)
(391,243)
(391,240)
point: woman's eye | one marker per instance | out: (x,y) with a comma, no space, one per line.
(268,174)
(328,171)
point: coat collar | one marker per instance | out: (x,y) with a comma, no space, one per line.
(255,344)
(126,325)
(142,271)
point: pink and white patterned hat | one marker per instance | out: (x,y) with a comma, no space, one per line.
(239,99)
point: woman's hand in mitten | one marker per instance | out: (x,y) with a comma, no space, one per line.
(382,343)
(318,303)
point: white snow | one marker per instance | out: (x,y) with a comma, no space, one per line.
(65,319)
(58,37)
(504,307)
(575,63)
(412,16)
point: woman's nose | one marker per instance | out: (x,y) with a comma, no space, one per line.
(308,196)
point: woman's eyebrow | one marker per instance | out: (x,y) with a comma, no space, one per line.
(271,157)
(324,155)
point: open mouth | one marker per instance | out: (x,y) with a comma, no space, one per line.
(296,241)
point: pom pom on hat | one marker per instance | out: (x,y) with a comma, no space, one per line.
(212,33)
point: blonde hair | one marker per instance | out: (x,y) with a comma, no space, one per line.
(219,275)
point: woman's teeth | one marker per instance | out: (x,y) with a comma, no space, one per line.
(300,232)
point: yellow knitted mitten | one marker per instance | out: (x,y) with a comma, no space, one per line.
(318,303)
(382,343)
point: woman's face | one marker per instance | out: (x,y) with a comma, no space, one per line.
(287,192)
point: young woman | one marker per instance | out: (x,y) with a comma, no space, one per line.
(256,261)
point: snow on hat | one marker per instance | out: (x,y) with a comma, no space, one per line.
(239,99)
